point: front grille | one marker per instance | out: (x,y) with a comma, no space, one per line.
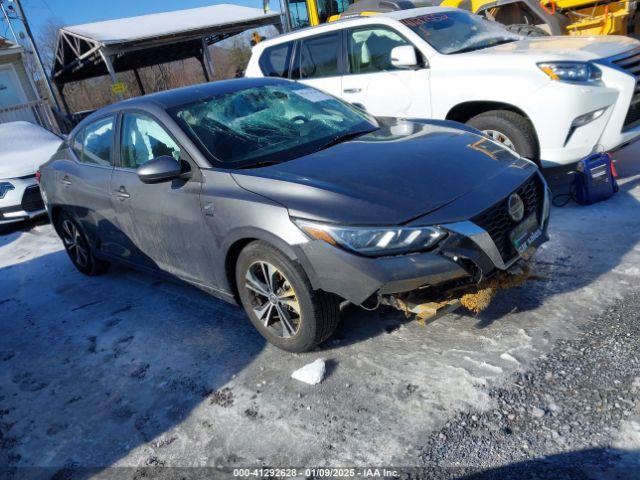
(497,222)
(631,63)
(32,200)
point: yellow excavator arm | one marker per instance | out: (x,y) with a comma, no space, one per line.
(555,17)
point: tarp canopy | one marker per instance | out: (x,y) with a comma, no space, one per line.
(85,51)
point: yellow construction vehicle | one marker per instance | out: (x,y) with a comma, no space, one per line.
(526,17)
(556,17)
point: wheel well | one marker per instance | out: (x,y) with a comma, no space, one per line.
(55,214)
(466,111)
(230,264)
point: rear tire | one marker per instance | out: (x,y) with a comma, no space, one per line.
(513,127)
(526,30)
(271,286)
(78,247)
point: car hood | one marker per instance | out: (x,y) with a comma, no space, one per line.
(25,146)
(395,174)
(563,48)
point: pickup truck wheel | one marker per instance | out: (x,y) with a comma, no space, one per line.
(78,248)
(509,128)
(280,301)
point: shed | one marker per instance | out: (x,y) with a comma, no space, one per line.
(127,44)
(19,99)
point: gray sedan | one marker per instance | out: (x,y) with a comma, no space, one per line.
(288,201)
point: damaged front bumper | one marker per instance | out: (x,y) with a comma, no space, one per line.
(464,262)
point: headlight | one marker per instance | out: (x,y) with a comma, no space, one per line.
(4,188)
(579,72)
(374,241)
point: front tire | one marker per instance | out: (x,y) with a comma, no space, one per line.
(78,248)
(509,128)
(280,301)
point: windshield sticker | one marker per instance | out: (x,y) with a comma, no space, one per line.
(312,95)
(421,20)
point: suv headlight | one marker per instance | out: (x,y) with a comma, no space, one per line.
(577,72)
(374,241)
(5,187)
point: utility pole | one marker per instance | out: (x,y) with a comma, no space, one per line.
(8,20)
(47,82)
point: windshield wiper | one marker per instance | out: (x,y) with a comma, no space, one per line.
(343,138)
(471,48)
(263,163)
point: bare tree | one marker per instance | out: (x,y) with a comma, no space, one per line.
(239,55)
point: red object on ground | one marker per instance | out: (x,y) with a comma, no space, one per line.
(614,172)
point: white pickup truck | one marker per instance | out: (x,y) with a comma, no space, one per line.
(552,99)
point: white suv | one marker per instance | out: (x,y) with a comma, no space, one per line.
(552,99)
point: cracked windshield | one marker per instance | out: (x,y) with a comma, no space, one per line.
(270,124)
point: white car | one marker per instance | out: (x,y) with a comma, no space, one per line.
(554,100)
(23,148)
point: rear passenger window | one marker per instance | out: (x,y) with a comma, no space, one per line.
(275,60)
(319,56)
(97,143)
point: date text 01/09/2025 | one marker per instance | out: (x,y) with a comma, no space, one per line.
(315,472)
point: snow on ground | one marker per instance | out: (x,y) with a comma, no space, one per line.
(128,370)
(25,146)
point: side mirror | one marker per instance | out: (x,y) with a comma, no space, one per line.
(159,169)
(404,56)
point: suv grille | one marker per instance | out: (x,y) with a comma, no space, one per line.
(32,200)
(631,63)
(497,222)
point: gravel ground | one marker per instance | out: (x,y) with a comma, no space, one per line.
(573,415)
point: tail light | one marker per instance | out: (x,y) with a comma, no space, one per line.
(38,175)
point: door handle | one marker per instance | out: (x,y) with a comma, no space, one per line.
(208,210)
(121,193)
(352,90)
(65,180)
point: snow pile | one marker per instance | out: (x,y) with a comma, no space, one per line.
(312,373)
(24,147)
(167,23)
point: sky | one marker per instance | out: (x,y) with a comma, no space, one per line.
(74,12)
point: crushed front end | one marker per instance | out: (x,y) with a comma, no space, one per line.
(488,251)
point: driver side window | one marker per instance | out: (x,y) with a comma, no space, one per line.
(369,49)
(143,139)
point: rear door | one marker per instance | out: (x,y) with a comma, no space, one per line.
(162,224)
(85,182)
(318,62)
(374,83)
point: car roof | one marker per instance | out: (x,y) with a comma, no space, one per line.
(416,12)
(185,95)
(355,20)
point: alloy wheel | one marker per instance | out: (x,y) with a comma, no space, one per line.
(75,244)
(273,299)
(500,138)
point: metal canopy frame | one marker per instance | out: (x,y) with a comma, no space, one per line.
(78,57)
